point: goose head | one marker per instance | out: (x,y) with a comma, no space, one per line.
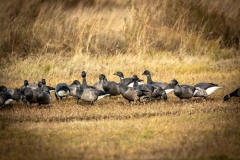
(102,77)
(43,81)
(174,82)
(146,72)
(227,97)
(26,83)
(119,74)
(84,74)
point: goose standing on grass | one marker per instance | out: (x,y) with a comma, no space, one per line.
(205,89)
(47,88)
(73,87)
(163,85)
(15,93)
(99,85)
(29,93)
(43,97)
(151,91)
(84,81)
(62,90)
(235,93)
(5,98)
(89,94)
(145,88)
(159,93)
(128,81)
(111,87)
(30,85)
(183,91)
(129,93)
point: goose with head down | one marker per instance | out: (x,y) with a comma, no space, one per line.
(5,98)
(62,90)
(151,91)
(205,89)
(73,88)
(235,93)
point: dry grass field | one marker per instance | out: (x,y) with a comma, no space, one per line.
(191,41)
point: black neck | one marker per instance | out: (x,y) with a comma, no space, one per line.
(84,83)
(149,79)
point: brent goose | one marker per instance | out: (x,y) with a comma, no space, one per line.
(235,93)
(111,87)
(87,93)
(43,97)
(99,85)
(29,93)
(5,98)
(183,91)
(73,87)
(47,88)
(145,88)
(30,85)
(84,81)
(163,85)
(129,93)
(62,90)
(127,81)
(151,91)
(205,89)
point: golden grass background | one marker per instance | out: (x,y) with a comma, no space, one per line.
(191,41)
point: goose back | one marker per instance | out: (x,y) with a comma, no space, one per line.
(62,90)
(183,91)
(73,87)
(5,98)
(206,89)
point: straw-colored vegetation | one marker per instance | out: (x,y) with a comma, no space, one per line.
(191,41)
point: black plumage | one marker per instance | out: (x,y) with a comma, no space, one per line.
(205,89)
(62,90)
(89,94)
(5,98)
(163,85)
(235,93)
(129,93)
(111,87)
(183,91)
(99,85)
(73,87)
(43,97)
(30,93)
(127,81)
(47,88)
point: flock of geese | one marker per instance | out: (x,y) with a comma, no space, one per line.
(131,89)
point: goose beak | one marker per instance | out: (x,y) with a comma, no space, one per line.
(114,73)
